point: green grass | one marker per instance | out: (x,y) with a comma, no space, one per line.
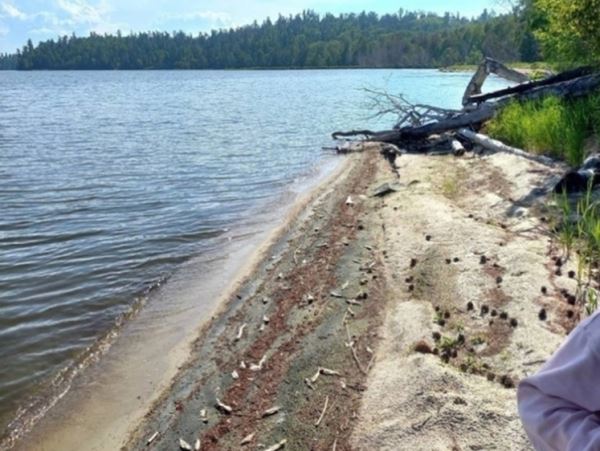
(578,230)
(550,126)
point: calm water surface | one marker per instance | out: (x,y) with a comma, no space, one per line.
(109,181)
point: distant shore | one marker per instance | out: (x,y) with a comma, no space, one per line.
(527,68)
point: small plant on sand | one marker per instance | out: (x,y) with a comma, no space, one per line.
(478,340)
(566,230)
(472,365)
(591,301)
(449,344)
(450,187)
(580,232)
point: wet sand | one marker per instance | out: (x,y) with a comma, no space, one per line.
(294,319)
(401,322)
(111,395)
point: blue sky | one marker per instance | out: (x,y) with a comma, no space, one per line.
(44,19)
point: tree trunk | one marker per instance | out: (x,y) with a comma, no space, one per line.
(498,146)
(490,66)
(564,76)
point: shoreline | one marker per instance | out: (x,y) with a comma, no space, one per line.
(331,344)
(396,322)
(94,396)
(307,253)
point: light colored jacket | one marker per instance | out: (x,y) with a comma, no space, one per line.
(560,405)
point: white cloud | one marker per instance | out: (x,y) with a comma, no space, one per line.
(212,18)
(215,16)
(12,11)
(82,12)
(45,31)
(4,30)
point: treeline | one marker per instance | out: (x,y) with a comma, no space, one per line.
(8,61)
(404,39)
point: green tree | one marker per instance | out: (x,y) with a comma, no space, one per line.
(402,39)
(571,32)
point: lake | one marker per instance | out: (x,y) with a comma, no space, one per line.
(112,182)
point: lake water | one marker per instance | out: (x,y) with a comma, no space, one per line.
(111,181)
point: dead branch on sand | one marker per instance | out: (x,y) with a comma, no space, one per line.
(277,446)
(318,422)
(429,129)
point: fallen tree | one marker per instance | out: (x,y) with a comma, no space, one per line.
(430,129)
(490,66)
(563,76)
(473,116)
(498,146)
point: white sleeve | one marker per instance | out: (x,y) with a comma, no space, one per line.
(559,405)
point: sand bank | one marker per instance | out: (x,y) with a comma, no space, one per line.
(113,394)
(400,322)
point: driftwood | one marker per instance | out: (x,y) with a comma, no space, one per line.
(564,76)
(271,411)
(185,446)
(247,439)
(498,146)
(223,407)
(152,438)
(277,446)
(428,129)
(487,67)
(432,130)
(318,422)
(588,175)
(414,138)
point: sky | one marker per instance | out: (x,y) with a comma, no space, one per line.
(44,19)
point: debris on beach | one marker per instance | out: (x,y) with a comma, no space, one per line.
(247,439)
(259,366)
(203,416)
(223,407)
(328,372)
(185,446)
(318,422)
(384,189)
(271,411)
(277,446)
(431,130)
(240,333)
(152,438)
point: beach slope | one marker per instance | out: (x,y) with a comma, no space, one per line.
(401,321)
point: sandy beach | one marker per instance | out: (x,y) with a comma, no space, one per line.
(396,322)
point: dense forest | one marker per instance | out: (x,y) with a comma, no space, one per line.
(403,39)
(8,61)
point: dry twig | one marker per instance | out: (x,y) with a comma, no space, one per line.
(277,446)
(318,422)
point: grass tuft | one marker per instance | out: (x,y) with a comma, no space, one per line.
(549,126)
(578,230)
